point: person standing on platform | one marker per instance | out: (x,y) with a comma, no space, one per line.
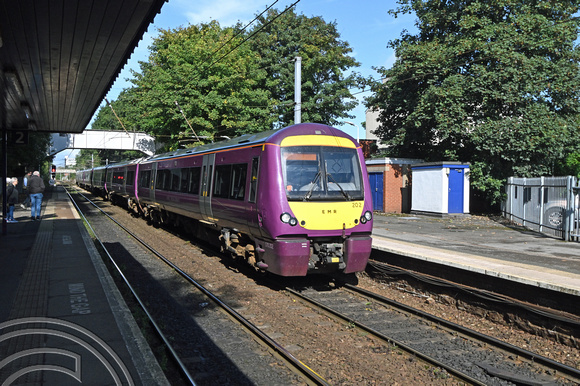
(11,199)
(26,202)
(35,188)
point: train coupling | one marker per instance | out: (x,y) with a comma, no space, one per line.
(329,253)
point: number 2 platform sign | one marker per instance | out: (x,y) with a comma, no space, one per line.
(18,137)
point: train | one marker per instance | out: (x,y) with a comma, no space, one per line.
(293,201)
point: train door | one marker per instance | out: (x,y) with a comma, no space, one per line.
(251,208)
(152,181)
(206,183)
(124,182)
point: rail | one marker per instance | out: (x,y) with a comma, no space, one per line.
(309,376)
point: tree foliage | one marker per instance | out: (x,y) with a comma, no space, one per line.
(29,157)
(230,81)
(217,97)
(492,83)
(121,114)
(281,37)
(570,165)
(88,158)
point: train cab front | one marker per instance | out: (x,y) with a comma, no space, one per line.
(326,223)
(343,250)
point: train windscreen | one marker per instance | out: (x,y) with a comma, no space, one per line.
(316,173)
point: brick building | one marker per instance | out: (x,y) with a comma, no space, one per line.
(390,180)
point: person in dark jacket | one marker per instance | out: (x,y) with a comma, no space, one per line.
(35,188)
(11,199)
(26,202)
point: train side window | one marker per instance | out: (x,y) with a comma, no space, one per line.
(254,179)
(194,177)
(238,184)
(118,177)
(221,185)
(144,178)
(175,180)
(159,179)
(184,180)
(167,180)
(163,179)
(130,177)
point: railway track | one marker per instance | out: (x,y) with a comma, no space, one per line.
(108,236)
(510,368)
(470,356)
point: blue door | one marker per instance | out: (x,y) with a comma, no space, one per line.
(455,203)
(376,182)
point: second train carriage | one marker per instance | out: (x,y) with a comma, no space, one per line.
(291,201)
(121,182)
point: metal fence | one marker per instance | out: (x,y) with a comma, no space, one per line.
(545,204)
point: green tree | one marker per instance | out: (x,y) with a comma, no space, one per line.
(218,93)
(280,37)
(492,83)
(229,82)
(88,158)
(29,157)
(570,166)
(124,110)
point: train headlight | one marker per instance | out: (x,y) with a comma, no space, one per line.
(368,216)
(286,218)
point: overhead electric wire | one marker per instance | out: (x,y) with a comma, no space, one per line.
(244,28)
(254,33)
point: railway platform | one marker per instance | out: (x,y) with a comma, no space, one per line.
(62,320)
(489,247)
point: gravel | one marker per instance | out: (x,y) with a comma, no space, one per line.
(340,354)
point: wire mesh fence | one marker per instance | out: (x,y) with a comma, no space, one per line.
(545,204)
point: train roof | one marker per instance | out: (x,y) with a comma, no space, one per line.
(246,139)
(274,136)
(125,163)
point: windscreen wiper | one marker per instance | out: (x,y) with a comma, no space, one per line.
(345,194)
(314,181)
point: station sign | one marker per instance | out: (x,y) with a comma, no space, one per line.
(18,137)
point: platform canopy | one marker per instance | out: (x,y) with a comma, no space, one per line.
(59,58)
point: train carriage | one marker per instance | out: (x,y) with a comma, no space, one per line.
(317,210)
(98,180)
(121,182)
(291,201)
(83,178)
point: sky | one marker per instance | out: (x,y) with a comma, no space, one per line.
(365,25)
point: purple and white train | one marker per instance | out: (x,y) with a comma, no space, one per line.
(292,201)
